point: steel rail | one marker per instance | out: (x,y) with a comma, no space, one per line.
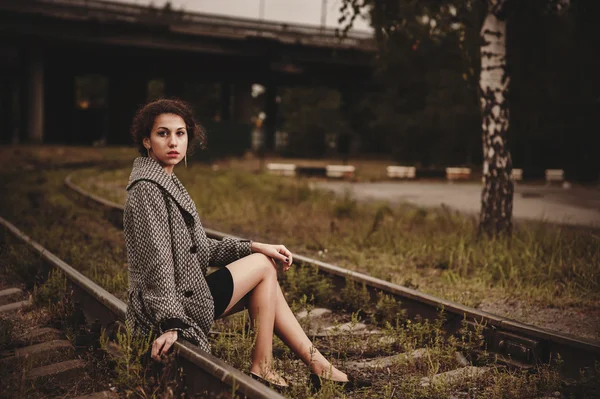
(516,343)
(203,372)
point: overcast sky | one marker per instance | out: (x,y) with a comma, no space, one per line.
(299,11)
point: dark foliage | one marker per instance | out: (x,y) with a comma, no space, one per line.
(423,104)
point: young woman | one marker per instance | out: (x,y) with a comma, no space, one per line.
(169,252)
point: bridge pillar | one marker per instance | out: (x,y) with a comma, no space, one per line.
(5,110)
(242,103)
(225,99)
(127,92)
(8,117)
(60,105)
(271,121)
(9,92)
(34,98)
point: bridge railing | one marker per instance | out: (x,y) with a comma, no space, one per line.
(200,23)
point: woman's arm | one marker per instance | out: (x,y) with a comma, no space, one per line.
(148,239)
(227,250)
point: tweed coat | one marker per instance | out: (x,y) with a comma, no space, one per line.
(168,254)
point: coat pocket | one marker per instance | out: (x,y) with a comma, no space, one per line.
(200,307)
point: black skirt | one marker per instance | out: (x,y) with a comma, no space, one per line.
(220,284)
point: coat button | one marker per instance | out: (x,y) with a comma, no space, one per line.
(194,249)
(188,294)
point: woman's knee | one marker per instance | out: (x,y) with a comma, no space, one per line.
(266,265)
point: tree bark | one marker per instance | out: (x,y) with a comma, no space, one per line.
(498,188)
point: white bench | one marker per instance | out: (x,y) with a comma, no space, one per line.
(517,174)
(282,169)
(340,171)
(557,175)
(458,173)
(401,172)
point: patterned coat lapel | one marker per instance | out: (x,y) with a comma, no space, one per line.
(146,168)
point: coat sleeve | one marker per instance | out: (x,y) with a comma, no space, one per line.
(227,250)
(148,238)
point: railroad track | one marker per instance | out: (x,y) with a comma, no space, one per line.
(517,344)
(40,360)
(202,371)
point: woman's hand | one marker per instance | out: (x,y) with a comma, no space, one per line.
(163,343)
(277,252)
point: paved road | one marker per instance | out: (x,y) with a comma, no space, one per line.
(578,205)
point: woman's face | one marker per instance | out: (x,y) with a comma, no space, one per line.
(168,140)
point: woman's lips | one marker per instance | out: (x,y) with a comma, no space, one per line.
(173,154)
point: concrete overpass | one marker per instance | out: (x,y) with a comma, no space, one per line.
(47,43)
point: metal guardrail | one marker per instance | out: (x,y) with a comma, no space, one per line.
(518,343)
(195,22)
(202,371)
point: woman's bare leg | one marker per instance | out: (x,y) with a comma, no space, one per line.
(291,333)
(255,281)
(255,270)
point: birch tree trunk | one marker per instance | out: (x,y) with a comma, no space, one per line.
(498,188)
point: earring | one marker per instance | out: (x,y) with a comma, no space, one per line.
(185,160)
(148,150)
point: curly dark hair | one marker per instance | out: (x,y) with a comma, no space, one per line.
(146,115)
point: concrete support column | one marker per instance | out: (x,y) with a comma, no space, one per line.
(225,101)
(9,92)
(35,95)
(242,103)
(127,92)
(6,110)
(60,105)
(270,123)
(17,125)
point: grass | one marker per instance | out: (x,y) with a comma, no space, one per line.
(436,252)
(29,157)
(132,374)
(38,204)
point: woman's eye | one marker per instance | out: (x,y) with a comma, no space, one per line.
(181,132)
(162,133)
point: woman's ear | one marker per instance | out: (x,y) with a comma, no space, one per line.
(146,142)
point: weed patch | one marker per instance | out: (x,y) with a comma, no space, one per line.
(435,250)
(301,281)
(134,373)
